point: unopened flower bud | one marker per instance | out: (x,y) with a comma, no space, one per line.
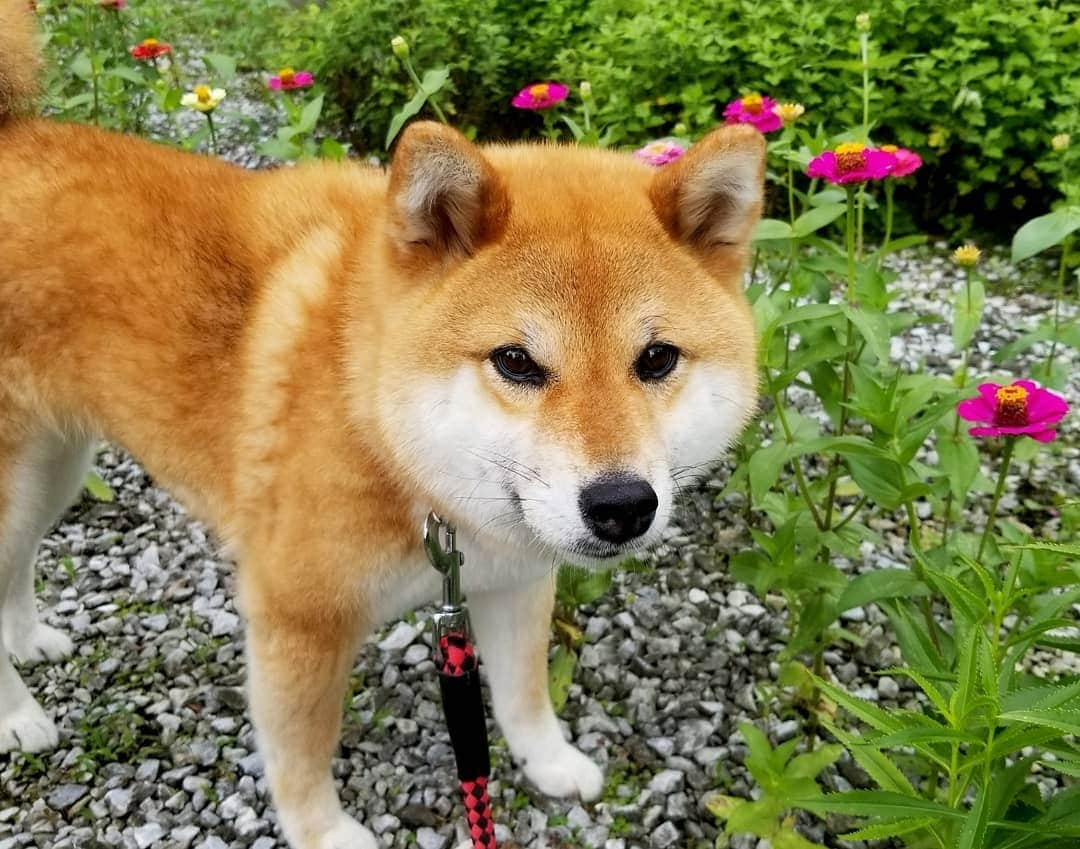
(586,90)
(1060,141)
(862,22)
(400,47)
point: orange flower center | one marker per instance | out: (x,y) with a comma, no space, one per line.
(1012,406)
(203,93)
(150,42)
(850,156)
(287,75)
(540,91)
(752,103)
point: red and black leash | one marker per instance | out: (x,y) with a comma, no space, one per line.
(459,680)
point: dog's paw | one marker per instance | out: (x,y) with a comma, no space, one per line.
(27,728)
(39,643)
(347,833)
(566,773)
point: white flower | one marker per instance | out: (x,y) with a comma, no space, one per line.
(203,98)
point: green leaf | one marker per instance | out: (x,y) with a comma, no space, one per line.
(967,312)
(433,80)
(576,586)
(415,104)
(309,117)
(878,803)
(973,834)
(764,468)
(561,675)
(771,228)
(886,583)
(881,720)
(880,478)
(97,487)
(878,765)
(959,461)
(1058,718)
(809,765)
(221,65)
(874,328)
(815,219)
(81,66)
(892,828)
(1044,232)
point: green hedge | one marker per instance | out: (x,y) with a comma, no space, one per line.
(991,81)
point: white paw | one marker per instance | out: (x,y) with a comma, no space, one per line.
(566,773)
(27,729)
(39,643)
(347,833)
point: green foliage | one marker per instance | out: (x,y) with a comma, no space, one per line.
(978,87)
(786,780)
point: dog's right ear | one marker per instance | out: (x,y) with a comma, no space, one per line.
(446,199)
(710,198)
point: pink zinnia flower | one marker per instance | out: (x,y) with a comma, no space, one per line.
(660,152)
(1019,409)
(852,162)
(288,79)
(755,110)
(540,96)
(907,161)
(113,5)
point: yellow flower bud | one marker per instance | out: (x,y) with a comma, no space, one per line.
(789,112)
(586,90)
(862,22)
(400,47)
(966,256)
(1060,141)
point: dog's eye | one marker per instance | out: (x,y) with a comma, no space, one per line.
(517,366)
(656,362)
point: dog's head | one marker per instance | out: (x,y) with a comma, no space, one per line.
(569,342)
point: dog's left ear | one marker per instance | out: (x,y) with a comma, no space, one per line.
(446,199)
(711,197)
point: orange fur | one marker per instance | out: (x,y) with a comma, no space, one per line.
(257,341)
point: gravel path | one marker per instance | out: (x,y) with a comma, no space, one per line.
(157,750)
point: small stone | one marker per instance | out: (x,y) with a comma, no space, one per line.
(146,835)
(697,596)
(429,838)
(183,836)
(667,782)
(665,835)
(223,623)
(384,823)
(66,795)
(416,654)
(399,638)
(888,688)
(786,730)
(119,801)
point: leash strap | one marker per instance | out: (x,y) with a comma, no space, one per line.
(459,681)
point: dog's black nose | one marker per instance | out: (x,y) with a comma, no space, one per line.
(618,509)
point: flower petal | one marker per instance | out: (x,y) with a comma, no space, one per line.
(984,431)
(989,392)
(1045,436)
(975,410)
(1046,407)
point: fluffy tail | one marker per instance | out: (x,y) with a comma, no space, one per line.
(19,57)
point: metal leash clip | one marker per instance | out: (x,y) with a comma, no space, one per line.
(452,619)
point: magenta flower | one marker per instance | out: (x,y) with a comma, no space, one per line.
(1019,409)
(660,152)
(540,96)
(755,110)
(907,161)
(852,162)
(288,79)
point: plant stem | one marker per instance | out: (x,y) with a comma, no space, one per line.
(213,134)
(1059,296)
(864,52)
(796,465)
(889,188)
(420,86)
(849,342)
(1006,456)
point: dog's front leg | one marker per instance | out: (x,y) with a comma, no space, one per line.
(298,668)
(513,628)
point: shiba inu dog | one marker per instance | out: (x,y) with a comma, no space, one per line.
(537,341)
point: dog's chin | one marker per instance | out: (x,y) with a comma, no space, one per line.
(592,553)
